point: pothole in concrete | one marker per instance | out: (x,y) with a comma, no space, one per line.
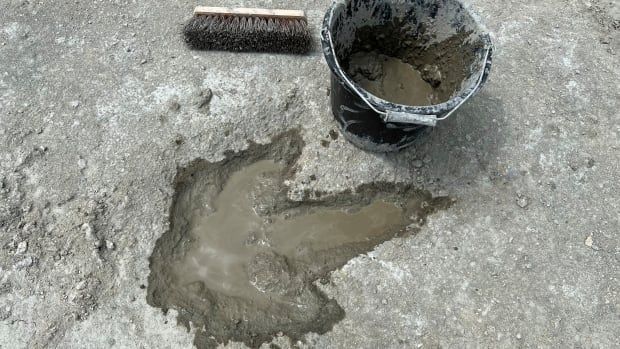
(240,260)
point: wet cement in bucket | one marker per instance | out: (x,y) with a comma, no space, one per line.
(241,261)
(401,64)
(392,79)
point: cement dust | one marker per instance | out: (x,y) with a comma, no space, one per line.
(391,79)
(230,242)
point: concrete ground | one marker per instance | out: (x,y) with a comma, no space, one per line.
(100,102)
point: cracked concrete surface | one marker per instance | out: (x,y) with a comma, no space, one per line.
(101,102)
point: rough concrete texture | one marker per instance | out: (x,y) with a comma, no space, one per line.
(100,102)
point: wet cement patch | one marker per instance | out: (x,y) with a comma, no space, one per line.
(240,260)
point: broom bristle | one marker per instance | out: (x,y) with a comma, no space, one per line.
(251,34)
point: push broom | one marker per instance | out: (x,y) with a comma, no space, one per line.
(248,29)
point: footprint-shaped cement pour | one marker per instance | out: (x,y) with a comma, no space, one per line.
(240,260)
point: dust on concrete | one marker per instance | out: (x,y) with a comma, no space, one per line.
(240,260)
(391,79)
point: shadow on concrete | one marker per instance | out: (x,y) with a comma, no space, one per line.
(461,147)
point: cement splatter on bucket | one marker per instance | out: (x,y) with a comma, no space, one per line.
(368,46)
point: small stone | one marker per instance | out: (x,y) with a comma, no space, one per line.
(144,61)
(24,263)
(384,301)
(179,139)
(589,241)
(22,247)
(519,336)
(109,245)
(523,202)
(98,243)
(81,163)
(333,134)
(174,105)
(81,285)
(87,229)
(74,104)
(203,99)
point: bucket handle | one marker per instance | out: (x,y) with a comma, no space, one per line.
(404,117)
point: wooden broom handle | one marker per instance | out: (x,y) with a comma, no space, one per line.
(249,12)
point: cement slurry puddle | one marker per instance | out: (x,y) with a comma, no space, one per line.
(230,242)
(240,261)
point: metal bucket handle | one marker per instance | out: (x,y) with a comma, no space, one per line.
(403,117)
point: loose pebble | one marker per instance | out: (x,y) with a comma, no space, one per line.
(22,247)
(24,263)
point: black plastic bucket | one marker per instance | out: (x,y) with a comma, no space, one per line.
(442,32)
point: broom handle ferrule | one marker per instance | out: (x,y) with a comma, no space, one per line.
(249,12)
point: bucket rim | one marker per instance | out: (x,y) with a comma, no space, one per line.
(434,109)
